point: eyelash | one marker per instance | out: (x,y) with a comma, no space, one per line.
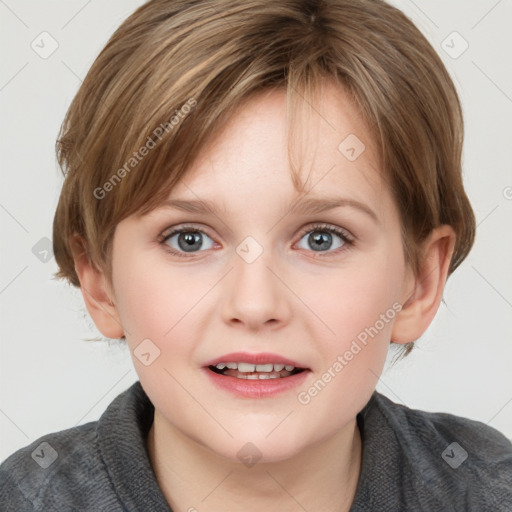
(348,240)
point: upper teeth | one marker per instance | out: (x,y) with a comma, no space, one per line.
(247,367)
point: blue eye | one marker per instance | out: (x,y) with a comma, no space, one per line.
(320,238)
(189,239)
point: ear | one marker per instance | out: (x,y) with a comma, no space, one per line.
(423,292)
(96,292)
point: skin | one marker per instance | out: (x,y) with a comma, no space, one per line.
(294,300)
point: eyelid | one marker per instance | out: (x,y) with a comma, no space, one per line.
(180,227)
(343,233)
(309,227)
(169,232)
(320,226)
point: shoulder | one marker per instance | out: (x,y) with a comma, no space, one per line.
(462,461)
(102,465)
(485,444)
(45,474)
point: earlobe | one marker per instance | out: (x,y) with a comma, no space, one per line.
(96,293)
(423,293)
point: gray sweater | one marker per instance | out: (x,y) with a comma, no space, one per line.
(412,461)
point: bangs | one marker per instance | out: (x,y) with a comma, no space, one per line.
(174,73)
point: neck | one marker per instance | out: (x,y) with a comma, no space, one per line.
(192,477)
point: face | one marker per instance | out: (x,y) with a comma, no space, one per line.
(258,281)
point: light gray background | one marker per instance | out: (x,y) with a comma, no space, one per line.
(52,380)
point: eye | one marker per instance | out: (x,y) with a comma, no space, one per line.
(186,239)
(320,238)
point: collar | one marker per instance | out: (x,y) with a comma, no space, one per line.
(123,430)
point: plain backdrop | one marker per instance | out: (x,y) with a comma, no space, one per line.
(51,379)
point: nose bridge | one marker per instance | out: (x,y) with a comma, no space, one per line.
(255,295)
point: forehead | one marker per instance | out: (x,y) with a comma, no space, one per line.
(247,162)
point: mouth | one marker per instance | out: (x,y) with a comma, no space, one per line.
(260,375)
(251,371)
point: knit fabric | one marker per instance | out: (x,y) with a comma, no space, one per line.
(412,461)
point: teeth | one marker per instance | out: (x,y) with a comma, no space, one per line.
(264,367)
(261,376)
(249,368)
(246,367)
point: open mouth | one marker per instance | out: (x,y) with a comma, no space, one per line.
(255,371)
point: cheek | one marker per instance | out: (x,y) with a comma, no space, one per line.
(152,299)
(354,298)
(159,310)
(358,304)
(164,305)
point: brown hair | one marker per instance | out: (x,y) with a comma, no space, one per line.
(213,55)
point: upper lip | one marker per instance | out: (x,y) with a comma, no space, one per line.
(256,358)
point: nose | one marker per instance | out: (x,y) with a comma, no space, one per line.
(255,296)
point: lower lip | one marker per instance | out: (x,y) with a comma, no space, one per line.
(252,388)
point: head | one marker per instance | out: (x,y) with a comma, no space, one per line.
(253,109)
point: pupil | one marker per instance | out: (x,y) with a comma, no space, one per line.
(318,238)
(191,241)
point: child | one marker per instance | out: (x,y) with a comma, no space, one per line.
(259,197)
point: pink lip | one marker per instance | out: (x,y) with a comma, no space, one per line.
(255,388)
(260,358)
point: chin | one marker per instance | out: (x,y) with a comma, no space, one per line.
(254,449)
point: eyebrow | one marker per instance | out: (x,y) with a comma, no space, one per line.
(320,205)
(303,205)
